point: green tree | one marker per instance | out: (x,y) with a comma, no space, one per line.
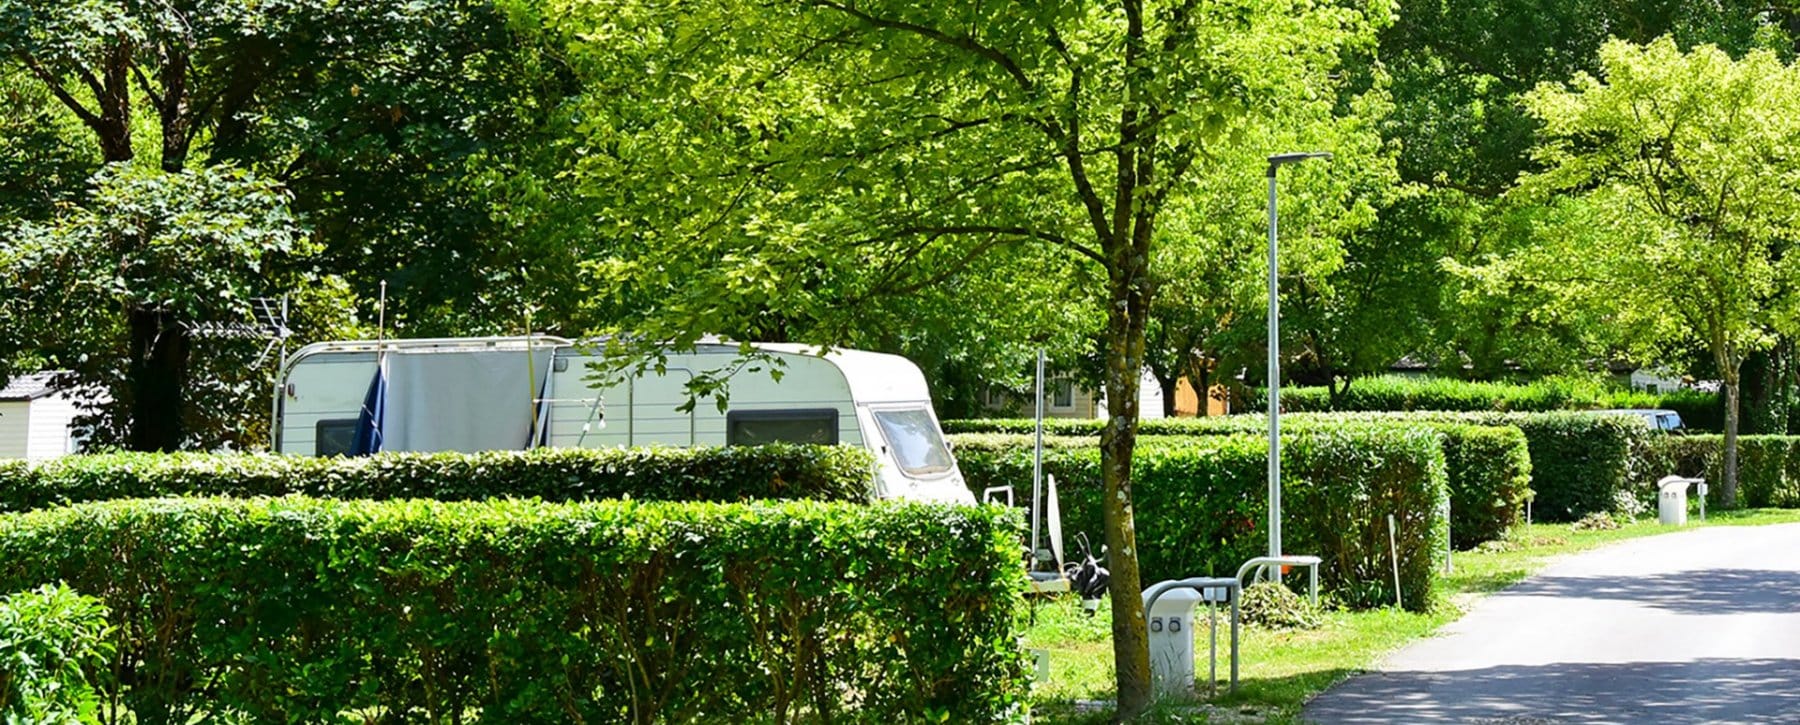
(1676,178)
(179,248)
(397,130)
(780,161)
(1459,70)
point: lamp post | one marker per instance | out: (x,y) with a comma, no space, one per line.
(1276,162)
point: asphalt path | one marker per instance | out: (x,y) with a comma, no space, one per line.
(1696,626)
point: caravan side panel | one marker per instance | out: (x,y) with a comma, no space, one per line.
(644,411)
(328,389)
(808,383)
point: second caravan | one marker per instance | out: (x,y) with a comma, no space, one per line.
(510,393)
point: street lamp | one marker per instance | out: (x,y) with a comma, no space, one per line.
(1274,382)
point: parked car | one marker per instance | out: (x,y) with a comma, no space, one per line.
(1662,420)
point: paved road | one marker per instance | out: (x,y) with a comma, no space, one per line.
(1697,626)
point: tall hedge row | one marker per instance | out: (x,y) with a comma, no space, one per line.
(1201,502)
(1489,467)
(554,474)
(1699,410)
(1581,463)
(303,610)
(1768,467)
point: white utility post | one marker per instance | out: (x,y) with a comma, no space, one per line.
(1274,381)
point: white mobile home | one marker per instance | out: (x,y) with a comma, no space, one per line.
(36,418)
(515,393)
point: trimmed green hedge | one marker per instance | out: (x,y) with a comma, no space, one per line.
(1489,471)
(1768,468)
(555,474)
(303,610)
(50,639)
(1580,462)
(1699,410)
(1201,502)
(1489,467)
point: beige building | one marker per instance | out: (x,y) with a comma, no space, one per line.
(36,418)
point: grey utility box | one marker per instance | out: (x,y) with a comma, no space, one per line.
(1671,500)
(1169,618)
(1171,626)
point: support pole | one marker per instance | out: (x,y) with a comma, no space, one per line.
(1274,382)
(1037,466)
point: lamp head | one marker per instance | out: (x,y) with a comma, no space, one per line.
(1279,160)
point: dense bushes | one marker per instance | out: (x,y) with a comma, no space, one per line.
(299,610)
(557,474)
(50,639)
(1201,501)
(1489,467)
(1768,467)
(1699,410)
(1580,462)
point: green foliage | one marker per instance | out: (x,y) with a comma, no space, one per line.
(1578,460)
(1401,393)
(1271,605)
(556,474)
(300,610)
(1768,468)
(114,284)
(1488,466)
(193,245)
(51,640)
(1201,501)
(1490,477)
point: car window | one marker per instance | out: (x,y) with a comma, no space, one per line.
(914,439)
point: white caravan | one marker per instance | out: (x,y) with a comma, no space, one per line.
(514,393)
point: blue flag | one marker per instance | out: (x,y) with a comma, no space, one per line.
(368,423)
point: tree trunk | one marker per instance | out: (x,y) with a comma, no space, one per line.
(1728,488)
(1171,385)
(156,377)
(113,127)
(1202,378)
(1124,361)
(176,121)
(1337,392)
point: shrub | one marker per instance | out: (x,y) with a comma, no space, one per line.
(1489,467)
(1768,467)
(50,639)
(1271,605)
(302,610)
(1201,501)
(1699,410)
(1578,460)
(557,474)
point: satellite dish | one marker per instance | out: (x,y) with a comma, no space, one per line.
(1053,512)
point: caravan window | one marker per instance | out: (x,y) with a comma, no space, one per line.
(334,437)
(914,437)
(759,427)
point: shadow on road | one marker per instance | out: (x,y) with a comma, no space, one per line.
(1713,690)
(1716,591)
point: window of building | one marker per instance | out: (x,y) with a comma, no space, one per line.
(1061,392)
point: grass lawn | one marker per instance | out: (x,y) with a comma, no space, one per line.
(1281,670)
